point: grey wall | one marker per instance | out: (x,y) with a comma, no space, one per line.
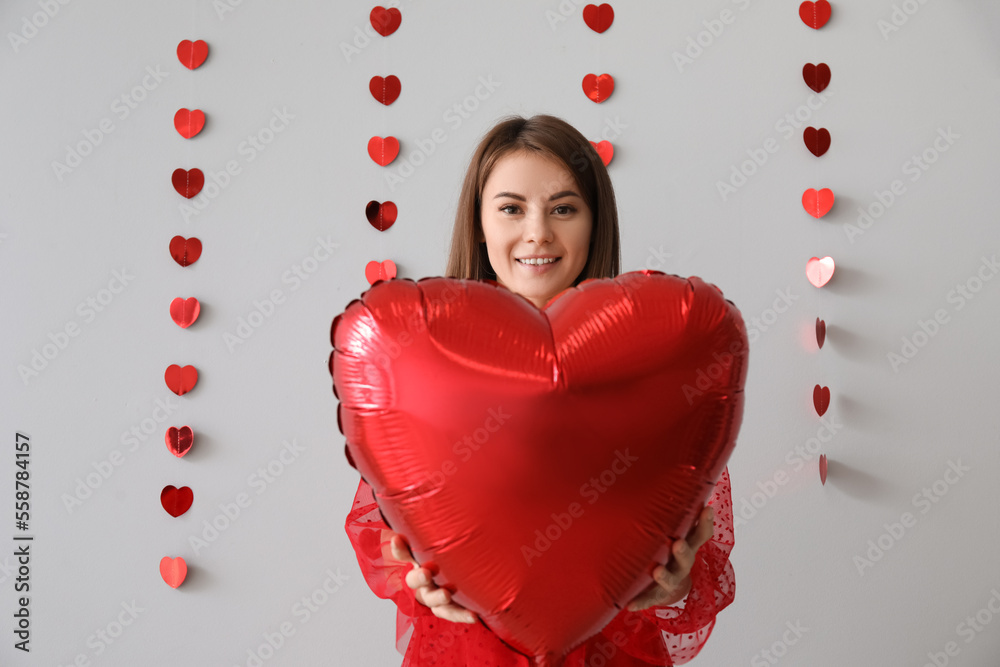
(680,132)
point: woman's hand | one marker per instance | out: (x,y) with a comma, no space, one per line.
(427,594)
(672,583)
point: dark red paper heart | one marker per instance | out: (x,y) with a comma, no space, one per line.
(815,14)
(192,54)
(816,77)
(383,150)
(817,141)
(822,468)
(597,18)
(185,251)
(188,183)
(381,216)
(181,380)
(578,386)
(820,332)
(179,440)
(188,122)
(385,21)
(598,88)
(605,150)
(176,501)
(821,399)
(385,90)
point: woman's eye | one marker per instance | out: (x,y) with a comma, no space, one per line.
(564,209)
(505,208)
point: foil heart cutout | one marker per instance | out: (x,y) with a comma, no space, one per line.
(179,440)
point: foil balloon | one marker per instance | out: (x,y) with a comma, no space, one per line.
(541,461)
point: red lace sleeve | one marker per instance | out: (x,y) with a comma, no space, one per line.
(675,634)
(370,537)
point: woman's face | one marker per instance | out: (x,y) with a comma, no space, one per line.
(533,210)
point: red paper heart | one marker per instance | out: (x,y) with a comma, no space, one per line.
(176,501)
(598,88)
(385,21)
(820,332)
(605,150)
(821,399)
(173,571)
(375,271)
(381,216)
(476,417)
(597,18)
(816,77)
(817,203)
(192,54)
(815,14)
(181,380)
(383,151)
(385,90)
(819,271)
(179,440)
(184,312)
(817,141)
(188,183)
(189,123)
(185,251)
(822,469)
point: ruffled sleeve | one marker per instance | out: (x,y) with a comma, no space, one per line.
(386,576)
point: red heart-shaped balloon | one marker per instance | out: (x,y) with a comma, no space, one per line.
(817,141)
(385,90)
(192,54)
(815,14)
(188,183)
(597,18)
(184,311)
(385,21)
(383,150)
(820,332)
(179,440)
(816,77)
(181,380)
(185,251)
(375,271)
(381,216)
(605,150)
(821,399)
(176,501)
(173,571)
(598,88)
(189,123)
(817,203)
(542,459)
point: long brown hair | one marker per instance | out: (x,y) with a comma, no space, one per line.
(554,138)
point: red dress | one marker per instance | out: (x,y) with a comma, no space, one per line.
(659,636)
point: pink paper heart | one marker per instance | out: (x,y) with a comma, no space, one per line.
(819,271)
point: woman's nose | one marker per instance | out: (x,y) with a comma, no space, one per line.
(537,228)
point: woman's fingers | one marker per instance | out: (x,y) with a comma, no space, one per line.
(401,550)
(418,577)
(454,613)
(704,530)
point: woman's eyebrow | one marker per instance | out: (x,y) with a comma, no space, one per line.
(558,195)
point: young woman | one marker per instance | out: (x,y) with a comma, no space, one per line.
(537,214)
